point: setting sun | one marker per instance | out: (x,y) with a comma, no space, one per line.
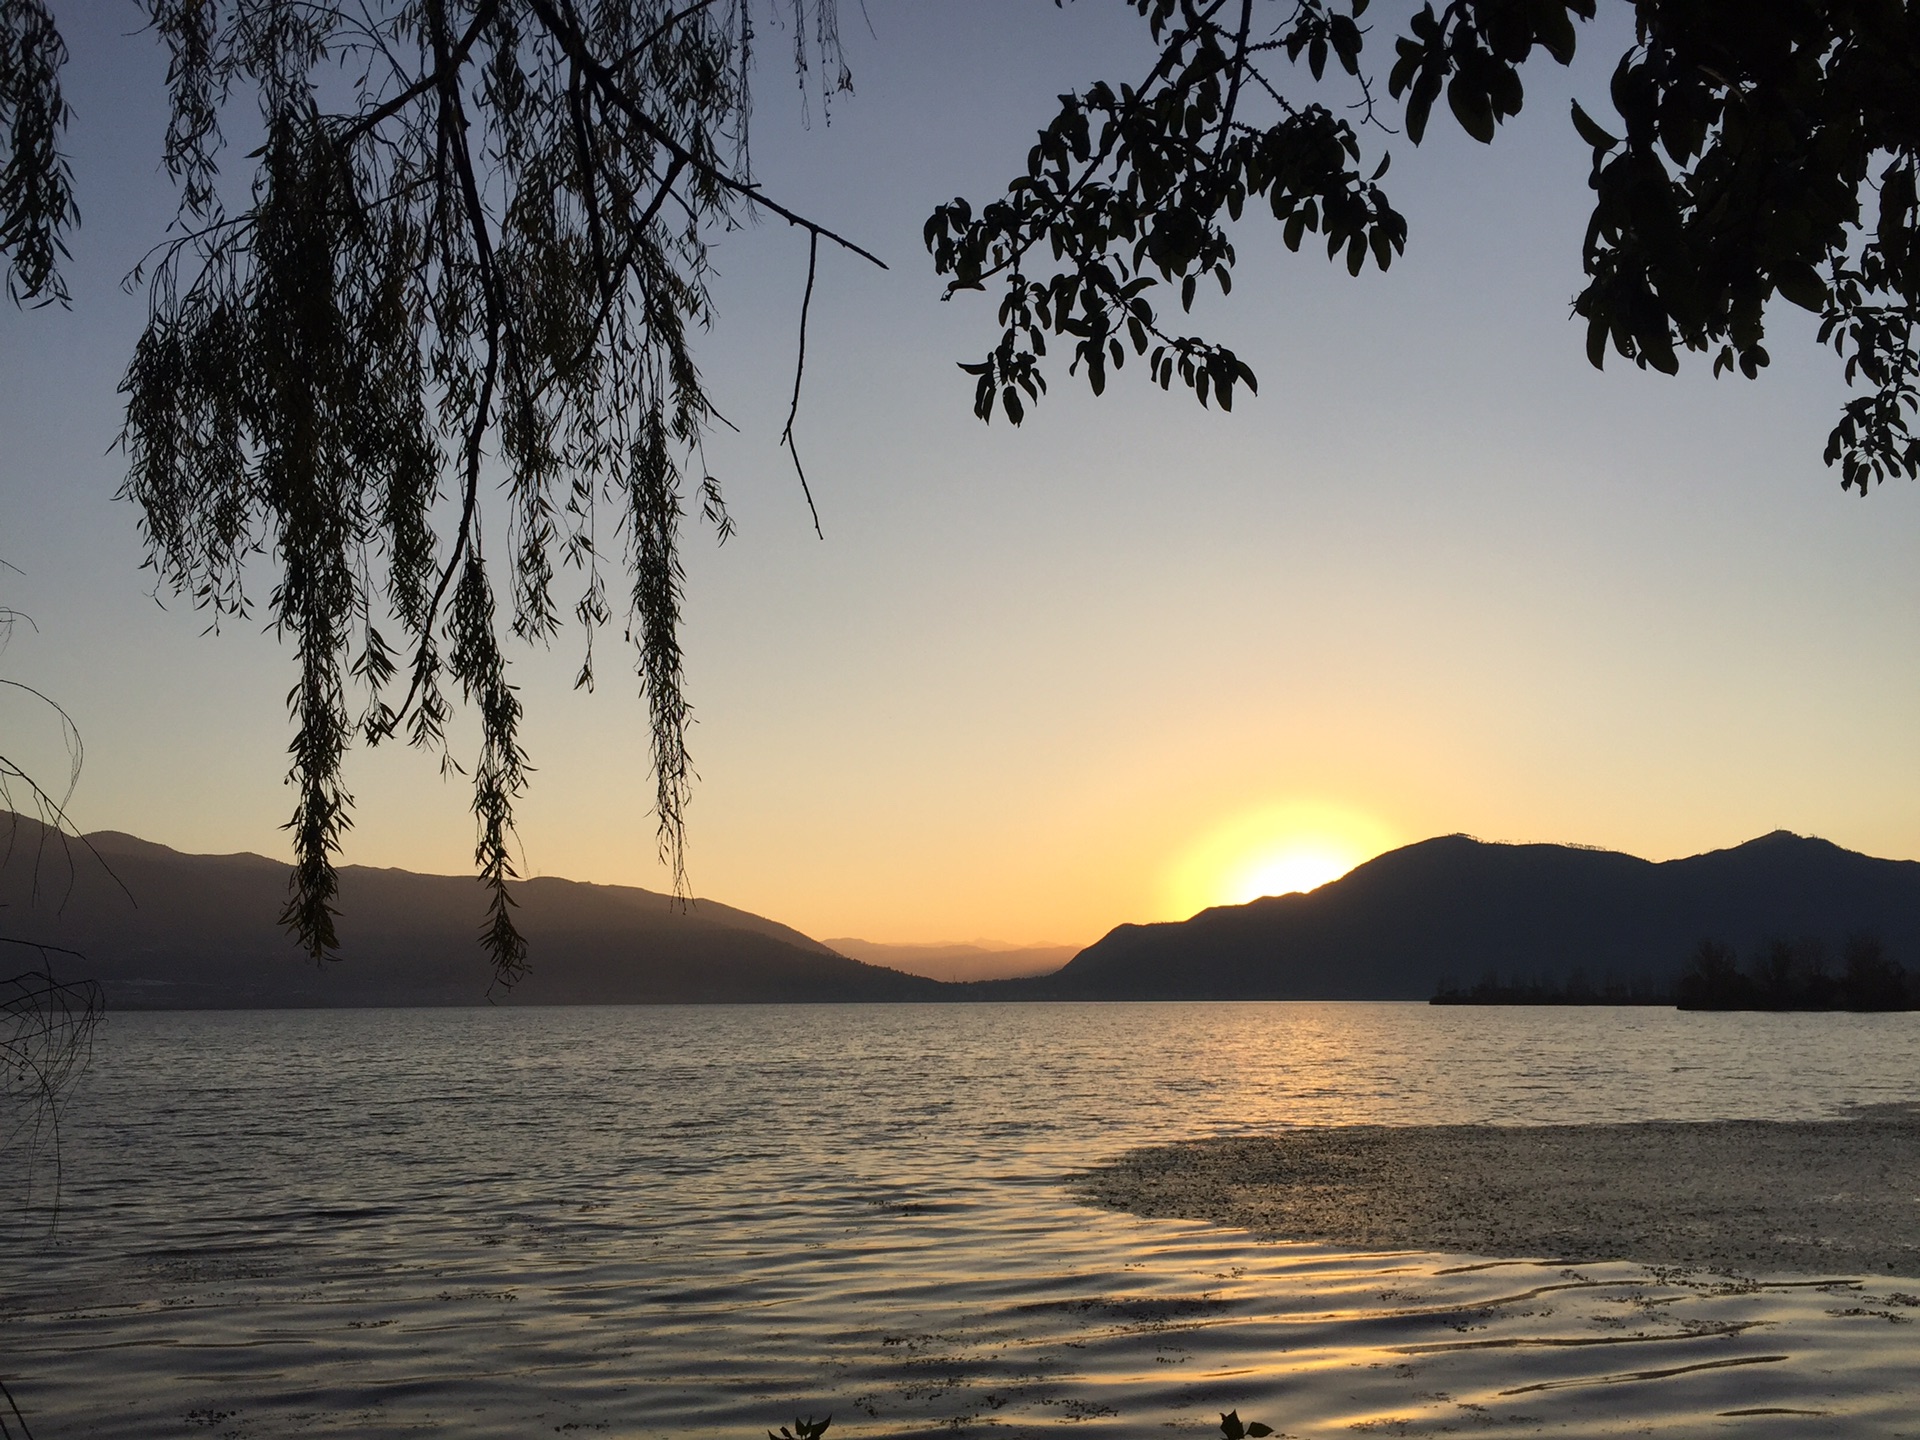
(1273,851)
(1302,866)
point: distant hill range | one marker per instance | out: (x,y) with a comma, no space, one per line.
(203,931)
(978,960)
(166,930)
(1456,909)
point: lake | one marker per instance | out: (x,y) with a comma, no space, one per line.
(706,1220)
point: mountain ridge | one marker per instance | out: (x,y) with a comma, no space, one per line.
(1450,908)
(1454,907)
(163,929)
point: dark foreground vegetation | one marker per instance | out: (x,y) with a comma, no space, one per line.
(1797,975)
(46,1038)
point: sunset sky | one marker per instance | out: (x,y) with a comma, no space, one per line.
(1130,660)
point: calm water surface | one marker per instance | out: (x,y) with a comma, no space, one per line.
(699,1221)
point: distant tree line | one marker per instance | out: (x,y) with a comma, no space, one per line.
(1781,974)
(1576,989)
(1796,975)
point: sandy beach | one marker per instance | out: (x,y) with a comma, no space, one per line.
(1837,1197)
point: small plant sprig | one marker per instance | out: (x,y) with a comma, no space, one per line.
(802,1430)
(1233,1428)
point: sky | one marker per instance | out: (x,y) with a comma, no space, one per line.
(1129,660)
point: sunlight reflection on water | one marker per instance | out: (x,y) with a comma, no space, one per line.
(681,1221)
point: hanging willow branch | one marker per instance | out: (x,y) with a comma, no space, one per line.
(36,183)
(46,1037)
(444,326)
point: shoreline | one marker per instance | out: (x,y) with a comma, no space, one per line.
(1742,1197)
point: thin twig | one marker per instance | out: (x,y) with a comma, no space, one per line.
(799,371)
(425,83)
(659,32)
(1239,74)
(46,1034)
(6,1432)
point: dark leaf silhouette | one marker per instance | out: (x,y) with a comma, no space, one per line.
(1753,137)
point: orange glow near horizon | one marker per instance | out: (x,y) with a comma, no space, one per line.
(1276,850)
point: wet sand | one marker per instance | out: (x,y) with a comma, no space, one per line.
(1837,1197)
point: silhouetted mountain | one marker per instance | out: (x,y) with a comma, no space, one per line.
(1456,908)
(202,931)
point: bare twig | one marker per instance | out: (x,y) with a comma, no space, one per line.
(799,371)
(46,1035)
(19,1420)
(1240,63)
(430,81)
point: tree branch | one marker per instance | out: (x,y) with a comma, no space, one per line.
(453,123)
(611,92)
(1240,62)
(413,92)
(799,370)
(660,30)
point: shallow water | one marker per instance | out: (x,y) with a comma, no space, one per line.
(697,1221)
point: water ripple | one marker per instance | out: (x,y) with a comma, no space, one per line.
(655,1222)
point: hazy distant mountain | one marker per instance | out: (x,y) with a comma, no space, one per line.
(979,960)
(193,931)
(1458,908)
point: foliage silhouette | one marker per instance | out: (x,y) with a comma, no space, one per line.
(1753,135)
(475,233)
(1871,980)
(36,183)
(1712,979)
